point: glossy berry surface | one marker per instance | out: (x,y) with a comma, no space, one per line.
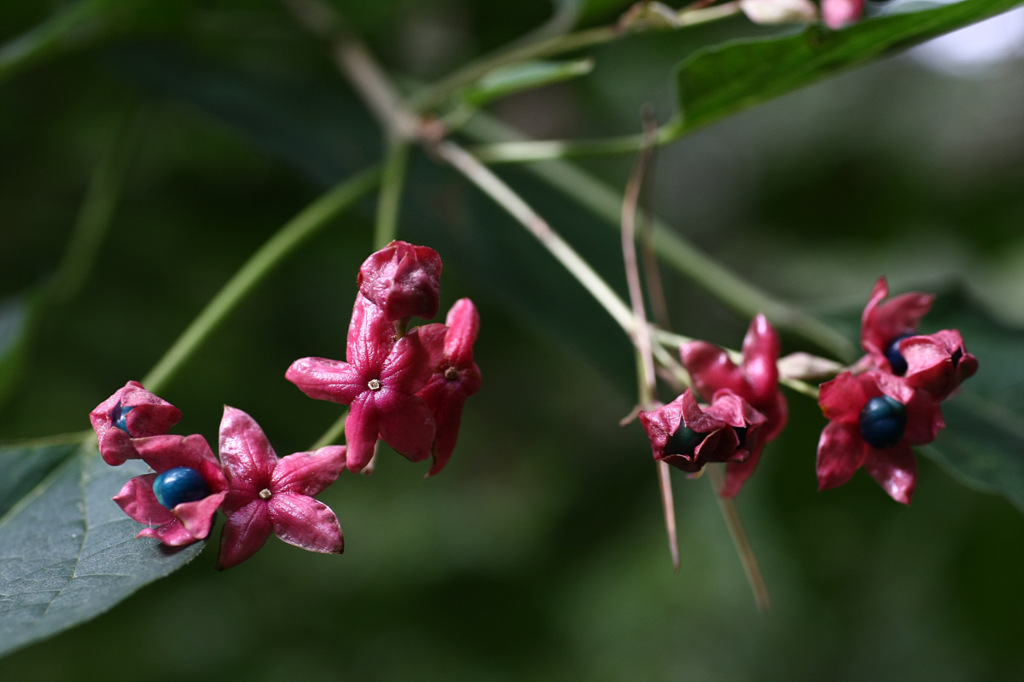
(895,358)
(178,485)
(683,442)
(882,422)
(119,417)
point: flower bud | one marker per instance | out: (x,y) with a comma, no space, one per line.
(403,280)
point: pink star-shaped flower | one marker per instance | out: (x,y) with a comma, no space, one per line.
(882,324)
(270,494)
(687,437)
(874,419)
(132,412)
(756,380)
(403,280)
(379,383)
(188,521)
(456,377)
(937,362)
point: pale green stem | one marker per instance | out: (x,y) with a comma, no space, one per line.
(526,151)
(75,26)
(98,208)
(436,94)
(389,200)
(727,286)
(494,187)
(332,434)
(315,217)
(739,539)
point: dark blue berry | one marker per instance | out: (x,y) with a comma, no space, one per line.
(180,484)
(683,442)
(883,421)
(741,433)
(895,358)
(119,417)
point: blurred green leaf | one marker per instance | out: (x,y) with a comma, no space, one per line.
(67,552)
(523,76)
(26,463)
(983,443)
(724,79)
(16,317)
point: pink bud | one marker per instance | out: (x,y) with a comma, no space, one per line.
(403,280)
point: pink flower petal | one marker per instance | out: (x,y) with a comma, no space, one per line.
(370,336)
(938,362)
(761,348)
(463,323)
(137,500)
(308,473)
(737,473)
(711,369)
(881,323)
(245,451)
(895,470)
(172,534)
(843,398)
(304,522)
(361,432)
(244,532)
(407,426)
(167,452)
(924,419)
(446,400)
(116,447)
(408,368)
(197,517)
(841,451)
(148,415)
(325,379)
(403,280)
(838,13)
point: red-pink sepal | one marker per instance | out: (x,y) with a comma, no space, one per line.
(403,280)
(149,415)
(455,378)
(379,383)
(185,524)
(167,452)
(937,363)
(841,448)
(718,444)
(882,323)
(838,13)
(268,494)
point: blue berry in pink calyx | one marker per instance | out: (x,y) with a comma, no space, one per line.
(180,484)
(895,358)
(883,421)
(684,441)
(119,417)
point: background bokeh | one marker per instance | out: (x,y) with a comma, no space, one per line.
(540,552)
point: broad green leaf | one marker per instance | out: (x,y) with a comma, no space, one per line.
(523,76)
(67,552)
(26,463)
(724,79)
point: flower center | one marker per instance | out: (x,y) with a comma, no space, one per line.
(178,485)
(374,385)
(451,374)
(684,441)
(119,417)
(265,494)
(883,421)
(895,358)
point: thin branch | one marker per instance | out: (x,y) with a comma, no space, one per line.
(389,200)
(300,228)
(739,539)
(493,186)
(332,434)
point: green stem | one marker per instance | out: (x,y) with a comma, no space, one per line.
(524,151)
(435,95)
(75,26)
(315,216)
(727,286)
(98,208)
(332,434)
(389,199)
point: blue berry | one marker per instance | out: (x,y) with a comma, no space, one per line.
(895,358)
(180,484)
(683,442)
(119,417)
(741,433)
(883,421)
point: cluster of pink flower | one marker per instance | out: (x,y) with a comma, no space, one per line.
(886,403)
(407,388)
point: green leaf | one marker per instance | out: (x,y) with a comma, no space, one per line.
(26,463)
(523,76)
(67,552)
(724,79)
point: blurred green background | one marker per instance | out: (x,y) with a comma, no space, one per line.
(540,552)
